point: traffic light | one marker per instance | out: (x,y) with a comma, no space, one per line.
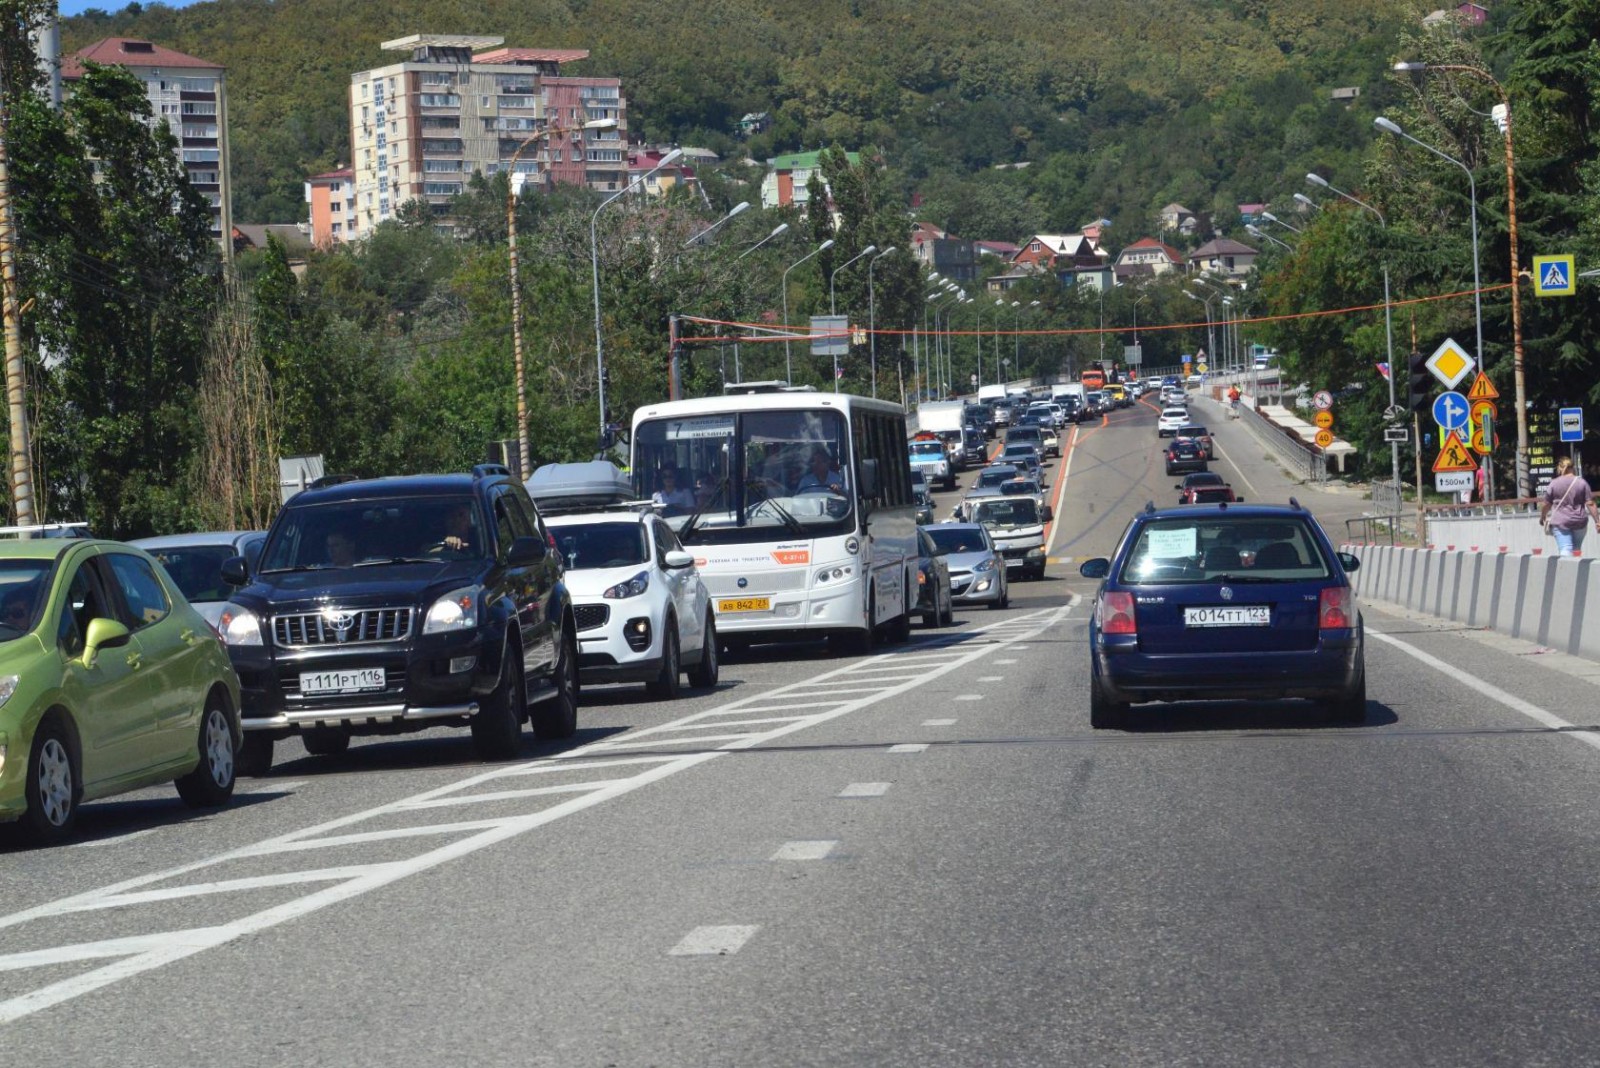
(1417,384)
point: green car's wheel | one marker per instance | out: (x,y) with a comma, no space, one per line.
(210,784)
(52,790)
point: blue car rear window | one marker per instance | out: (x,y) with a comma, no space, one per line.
(1182,549)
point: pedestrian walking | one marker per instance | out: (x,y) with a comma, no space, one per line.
(1567,509)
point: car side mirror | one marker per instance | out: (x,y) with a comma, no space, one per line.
(1238,500)
(1348,562)
(677,559)
(869,479)
(103,634)
(1098,568)
(1049,514)
(236,571)
(527,550)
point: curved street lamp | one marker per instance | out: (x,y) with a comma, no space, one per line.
(594,262)
(1267,215)
(779,231)
(514,181)
(872,317)
(736,209)
(1388,318)
(788,363)
(1255,231)
(1518,364)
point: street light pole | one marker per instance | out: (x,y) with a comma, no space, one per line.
(788,364)
(1267,215)
(833,308)
(735,210)
(513,187)
(594,262)
(1388,321)
(872,317)
(1518,362)
(1211,337)
(778,231)
(1255,231)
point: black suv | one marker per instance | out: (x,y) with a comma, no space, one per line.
(390,605)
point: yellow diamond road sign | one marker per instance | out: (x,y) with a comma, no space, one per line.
(1450,363)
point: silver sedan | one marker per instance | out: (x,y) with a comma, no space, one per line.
(977,571)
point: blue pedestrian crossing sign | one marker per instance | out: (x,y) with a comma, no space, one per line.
(1554,276)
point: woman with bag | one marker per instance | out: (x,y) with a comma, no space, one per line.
(1567,508)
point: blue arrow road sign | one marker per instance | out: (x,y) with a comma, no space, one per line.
(1450,411)
(1572,424)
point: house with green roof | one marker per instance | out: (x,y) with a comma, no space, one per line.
(786,178)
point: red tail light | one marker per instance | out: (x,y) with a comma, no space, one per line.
(1116,614)
(1333,611)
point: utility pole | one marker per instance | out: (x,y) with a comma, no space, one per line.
(16,372)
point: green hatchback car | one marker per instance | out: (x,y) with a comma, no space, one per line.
(109,681)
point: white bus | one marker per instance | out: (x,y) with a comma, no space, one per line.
(797,507)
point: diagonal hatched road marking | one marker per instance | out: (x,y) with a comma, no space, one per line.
(612,766)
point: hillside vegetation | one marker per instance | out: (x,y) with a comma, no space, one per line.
(1118,106)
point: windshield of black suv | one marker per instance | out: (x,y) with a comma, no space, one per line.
(22,587)
(756,474)
(1203,549)
(1006,512)
(994,476)
(590,546)
(370,532)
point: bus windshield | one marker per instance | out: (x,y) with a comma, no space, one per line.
(756,476)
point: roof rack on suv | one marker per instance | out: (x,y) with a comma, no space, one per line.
(329,480)
(487,470)
(49,530)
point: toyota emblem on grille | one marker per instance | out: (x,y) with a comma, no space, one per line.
(341,622)
(1227,594)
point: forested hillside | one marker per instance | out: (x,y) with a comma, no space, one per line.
(1118,106)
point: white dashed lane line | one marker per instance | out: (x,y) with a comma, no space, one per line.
(909,747)
(804,851)
(938,723)
(714,941)
(865,789)
(968,697)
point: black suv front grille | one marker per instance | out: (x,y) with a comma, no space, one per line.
(336,627)
(590,616)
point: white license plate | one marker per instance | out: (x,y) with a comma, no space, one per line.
(362,680)
(1245,615)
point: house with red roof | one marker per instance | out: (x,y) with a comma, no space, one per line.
(1146,258)
(189,95)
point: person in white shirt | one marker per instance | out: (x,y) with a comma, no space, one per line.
(823,476)
(671,495)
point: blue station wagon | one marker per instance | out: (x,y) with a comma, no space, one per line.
(1225,602)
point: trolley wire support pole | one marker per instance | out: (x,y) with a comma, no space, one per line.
(16,372)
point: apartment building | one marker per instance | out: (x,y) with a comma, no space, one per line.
(332,198)
(187,93)
(462,104)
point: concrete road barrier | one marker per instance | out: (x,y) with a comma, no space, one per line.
(1553,601)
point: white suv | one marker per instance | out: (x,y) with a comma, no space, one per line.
(643,613)
(1171,419)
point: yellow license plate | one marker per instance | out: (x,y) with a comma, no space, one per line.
(745,604)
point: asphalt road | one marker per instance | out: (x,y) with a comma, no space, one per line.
(922,857)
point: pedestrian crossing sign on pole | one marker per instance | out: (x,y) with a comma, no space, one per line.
(1554,276)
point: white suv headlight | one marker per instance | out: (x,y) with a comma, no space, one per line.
(456,610)
(631,588)
(239,626)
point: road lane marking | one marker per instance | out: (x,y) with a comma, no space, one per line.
(865,789)
(804,851)
(909,747)
(938,723)
(1491,691)
(1237,469)
(991,678)
(714,941)
(1005,661)
(147,950)
(968,697)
